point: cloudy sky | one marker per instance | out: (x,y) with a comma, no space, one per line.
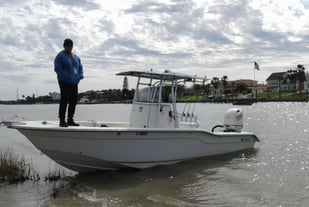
(202,37)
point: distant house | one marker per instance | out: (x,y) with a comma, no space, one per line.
(307,82)
(54,96)
(84,100)
(231,85)
(285,82)
(274,81)
(251,84)
(261,88)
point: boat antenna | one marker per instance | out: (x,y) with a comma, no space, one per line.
(188,112)
(184,109)
(193,109)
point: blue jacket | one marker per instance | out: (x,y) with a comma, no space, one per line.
(67,70)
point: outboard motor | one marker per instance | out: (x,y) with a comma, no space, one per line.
(233,120)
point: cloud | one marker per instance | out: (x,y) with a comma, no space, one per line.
(82,4)
(212,38)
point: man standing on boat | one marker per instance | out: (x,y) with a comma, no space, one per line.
(69,72)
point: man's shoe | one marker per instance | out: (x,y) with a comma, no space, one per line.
(72,123)
(63,124)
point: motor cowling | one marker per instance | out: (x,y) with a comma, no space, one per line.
(233,120)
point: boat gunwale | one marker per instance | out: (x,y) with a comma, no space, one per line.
(87,129)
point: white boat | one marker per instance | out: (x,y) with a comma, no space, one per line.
(155,135)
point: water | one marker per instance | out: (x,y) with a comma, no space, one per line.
(275,173)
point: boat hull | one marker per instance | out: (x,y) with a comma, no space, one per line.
(84,149)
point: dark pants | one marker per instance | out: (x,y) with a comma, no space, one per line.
(68,95)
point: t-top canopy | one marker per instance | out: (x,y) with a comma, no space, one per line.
(166,75)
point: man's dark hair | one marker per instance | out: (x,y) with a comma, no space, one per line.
(67,42)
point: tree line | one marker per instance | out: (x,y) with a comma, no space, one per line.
(125,94)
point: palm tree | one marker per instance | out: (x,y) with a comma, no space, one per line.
(301,77)
(224,82)
(215,82)
(298,74)
(241,88)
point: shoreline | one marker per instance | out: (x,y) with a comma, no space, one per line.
(180,101)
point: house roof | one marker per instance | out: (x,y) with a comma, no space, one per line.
(275,76)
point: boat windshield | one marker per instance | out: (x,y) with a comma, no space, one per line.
(144,95)
(159,87)
(151,94)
